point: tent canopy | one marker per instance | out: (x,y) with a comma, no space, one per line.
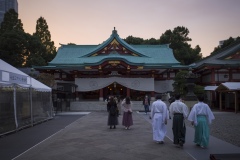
(10,75)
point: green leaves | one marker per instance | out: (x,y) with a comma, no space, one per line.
(44,36)
(21,49)
(178,40)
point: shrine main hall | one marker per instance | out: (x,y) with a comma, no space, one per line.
(114,67)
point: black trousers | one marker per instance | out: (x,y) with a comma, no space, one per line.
(178,128)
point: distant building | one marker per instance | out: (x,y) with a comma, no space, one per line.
(5,5)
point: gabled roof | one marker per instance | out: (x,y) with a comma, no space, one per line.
(144,55)
(229,86)
(223,57)
(210,88)
(114,36)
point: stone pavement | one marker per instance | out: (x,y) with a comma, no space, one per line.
(89,138)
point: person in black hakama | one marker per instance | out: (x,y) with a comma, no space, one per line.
(179,111)
(112,113)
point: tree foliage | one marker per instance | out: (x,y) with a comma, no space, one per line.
(226,43)
(47,79)
(44,35)
(11,22)
(134,40)
(178,40)
(21,49)
(12,47)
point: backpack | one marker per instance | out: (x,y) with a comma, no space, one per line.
(112,110)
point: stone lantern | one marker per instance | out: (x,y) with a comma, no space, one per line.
(190,98)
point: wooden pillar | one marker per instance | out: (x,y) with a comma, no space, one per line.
(213,76)
(128,92)
(101,94)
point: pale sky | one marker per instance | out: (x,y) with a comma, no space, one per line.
(92,21)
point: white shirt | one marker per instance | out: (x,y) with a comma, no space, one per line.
(159,107)
(200,109)
(178,107)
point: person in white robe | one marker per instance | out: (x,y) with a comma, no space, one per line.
(159,119)
(201,117)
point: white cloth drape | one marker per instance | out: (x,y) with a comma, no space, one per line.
(140,84)
(91,84)
(163,86)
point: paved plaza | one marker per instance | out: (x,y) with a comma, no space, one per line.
(89,138)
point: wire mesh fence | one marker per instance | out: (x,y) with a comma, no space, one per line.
(23,107)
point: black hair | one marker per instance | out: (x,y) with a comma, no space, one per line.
(159,96)
(177,96)
(200,98)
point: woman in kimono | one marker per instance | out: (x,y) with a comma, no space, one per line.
(112,113)
(201,117)
(127,120)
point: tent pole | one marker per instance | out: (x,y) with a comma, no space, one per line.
(15,105)
(31,107)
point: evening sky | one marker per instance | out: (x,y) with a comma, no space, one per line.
(92,21)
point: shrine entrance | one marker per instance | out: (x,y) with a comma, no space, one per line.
(115,89)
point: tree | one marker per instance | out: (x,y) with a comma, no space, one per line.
(11,22)
(11,47)
(44,35)
(151,41)
(34,51)
(47,79)
(134,40)
(21,49)
(226,43)
(17,47)
(178,40)
(11,38)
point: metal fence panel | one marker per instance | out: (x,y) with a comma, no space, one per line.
(7,121)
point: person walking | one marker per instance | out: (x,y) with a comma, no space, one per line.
(201,117)
(146,104)
(127,120)
(179,111)
(112,113)
(159,119)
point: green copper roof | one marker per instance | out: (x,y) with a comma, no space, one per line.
(145,55)
(221,58)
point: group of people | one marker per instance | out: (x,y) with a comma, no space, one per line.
(114,111)
(200,117)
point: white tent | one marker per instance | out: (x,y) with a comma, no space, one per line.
(10,75)
(14,78)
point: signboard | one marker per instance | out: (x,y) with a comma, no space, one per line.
(13,77)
